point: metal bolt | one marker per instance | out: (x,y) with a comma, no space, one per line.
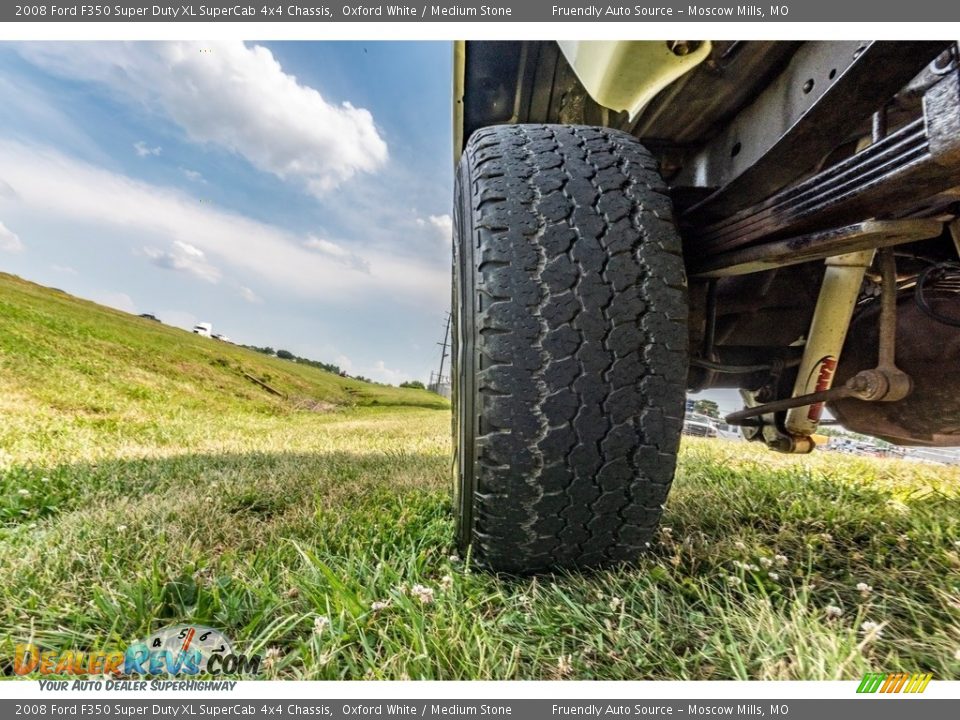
(683,47)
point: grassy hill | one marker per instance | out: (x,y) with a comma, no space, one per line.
(83,378)
(144,481)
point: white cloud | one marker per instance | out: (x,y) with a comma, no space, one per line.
(143,150)
(184,257)
(381,373)
(65,269)
(188,250)
(236,97)
(9,240)
(53,186)
(249,295)
(441,224)
(337,253)
(193,175)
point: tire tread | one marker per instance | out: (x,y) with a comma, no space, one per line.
(582,343)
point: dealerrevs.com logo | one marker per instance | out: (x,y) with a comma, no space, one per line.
(178,650)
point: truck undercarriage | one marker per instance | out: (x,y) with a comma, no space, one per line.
(778,156)
(638,219)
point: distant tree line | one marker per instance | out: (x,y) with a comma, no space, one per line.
(287,355)
(329,367)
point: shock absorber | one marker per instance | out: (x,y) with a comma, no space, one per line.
(828,330)
(831,319)
(884,383)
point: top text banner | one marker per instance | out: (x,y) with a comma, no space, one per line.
(315,11)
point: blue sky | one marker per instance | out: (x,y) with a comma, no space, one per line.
(293,194)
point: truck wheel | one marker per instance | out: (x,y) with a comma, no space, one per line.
(569,346)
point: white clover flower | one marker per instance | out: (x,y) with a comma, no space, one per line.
(454,558)
(121,528)
(753,568)
(766,562)
(666,530)
(320,623)
(864,589)
(615,603)
(423,593)
(733,580)
(44,479)
(446,582)
(871,628)
(781,559)
(740,545)
(773,576)
(378,605)
(23,491)
(273,655)
(833,611)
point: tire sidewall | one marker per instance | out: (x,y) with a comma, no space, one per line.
(463,356)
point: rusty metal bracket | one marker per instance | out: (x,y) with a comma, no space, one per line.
(835,393)
(816,246)
(869,385)
(897,383)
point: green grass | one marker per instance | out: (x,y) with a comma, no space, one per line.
(145,482)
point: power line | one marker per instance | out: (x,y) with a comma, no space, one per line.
(438,383)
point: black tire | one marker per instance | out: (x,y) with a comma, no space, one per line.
(569,347)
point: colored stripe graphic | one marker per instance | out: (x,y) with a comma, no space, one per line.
(871,682)
(894,683)
(922,682)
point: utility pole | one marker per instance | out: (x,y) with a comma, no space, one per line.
(437,382)
(443,348)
